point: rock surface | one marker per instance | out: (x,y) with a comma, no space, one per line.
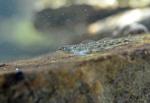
(119,74)
(122,24)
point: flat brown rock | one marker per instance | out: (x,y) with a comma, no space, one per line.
(118,74)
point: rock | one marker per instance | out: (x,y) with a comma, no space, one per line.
(70,22)
(132,29)
(122,24)
(118,74)
(71,16)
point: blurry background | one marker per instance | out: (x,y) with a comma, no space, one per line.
(29,28)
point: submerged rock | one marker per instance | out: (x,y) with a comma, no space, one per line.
(132,29)
(119,74)
(131,22)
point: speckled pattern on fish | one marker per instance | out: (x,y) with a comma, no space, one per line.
(97,46)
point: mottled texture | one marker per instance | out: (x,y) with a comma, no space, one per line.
(97,46)
(119,74)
